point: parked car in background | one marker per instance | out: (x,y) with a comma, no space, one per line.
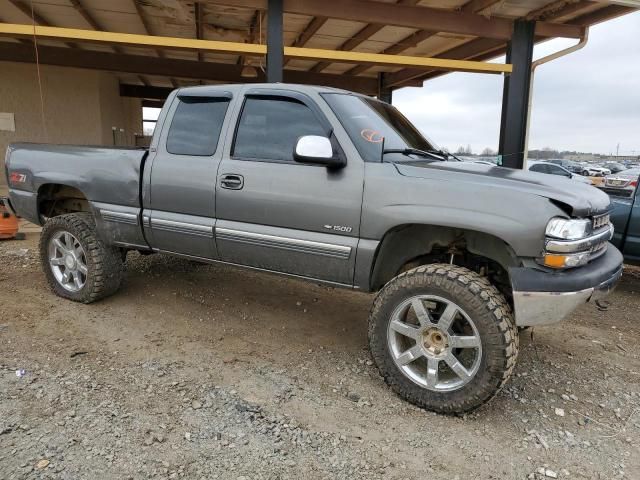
(622,184)
(553,169)
(573,167)
(615,167)
(595,171)
(623,189)
(483,162)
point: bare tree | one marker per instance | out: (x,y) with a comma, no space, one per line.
(488,152)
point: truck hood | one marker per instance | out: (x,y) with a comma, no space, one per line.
(584,200)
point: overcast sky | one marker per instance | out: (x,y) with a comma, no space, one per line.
(588,101)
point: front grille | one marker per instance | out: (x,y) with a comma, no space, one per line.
(600,221)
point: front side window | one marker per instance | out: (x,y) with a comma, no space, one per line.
(270,127)
(196,125)
(555,170)
(371,123)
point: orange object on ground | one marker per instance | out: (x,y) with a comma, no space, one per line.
(8,224)
(597,181)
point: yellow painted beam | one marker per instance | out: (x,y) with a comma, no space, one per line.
(94,36)
(339,56)
(236,48)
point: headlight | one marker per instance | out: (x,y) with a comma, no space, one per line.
(568,229)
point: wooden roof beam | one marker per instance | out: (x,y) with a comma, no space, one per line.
(256,20)
(487,55)
(93,23)
(418,17)
(170,67)
(413,40)
(483,54)
(177,43)
(147,30)
(362,36)
(478,6)
(197,14)
(81,9)
(20,40)
(607,13)
(310,30)
(39,19)
(466,50)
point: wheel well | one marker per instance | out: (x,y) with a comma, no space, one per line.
(409,246)
(56,199)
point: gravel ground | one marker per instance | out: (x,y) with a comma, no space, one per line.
(197,372)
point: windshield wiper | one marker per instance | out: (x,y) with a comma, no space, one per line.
(415,151)
(447,155)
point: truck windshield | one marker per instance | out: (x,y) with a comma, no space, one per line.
(372,125)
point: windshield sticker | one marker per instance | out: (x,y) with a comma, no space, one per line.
(371,135)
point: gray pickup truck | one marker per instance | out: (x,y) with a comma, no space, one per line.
(335,187)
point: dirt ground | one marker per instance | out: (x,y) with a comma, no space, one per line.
(198,372)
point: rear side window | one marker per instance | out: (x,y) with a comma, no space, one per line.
(270,127)
(196,125)
(539,167)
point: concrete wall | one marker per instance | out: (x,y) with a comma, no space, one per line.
(125,114)
(81,107)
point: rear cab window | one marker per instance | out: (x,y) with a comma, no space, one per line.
(196,125)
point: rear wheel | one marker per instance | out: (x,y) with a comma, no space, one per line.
(77,264)
(443,338)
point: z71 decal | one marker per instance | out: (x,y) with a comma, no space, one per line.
(17,177)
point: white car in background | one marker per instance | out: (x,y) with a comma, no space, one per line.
(553,169)
(595,171)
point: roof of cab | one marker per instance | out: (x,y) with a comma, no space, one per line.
(234,87)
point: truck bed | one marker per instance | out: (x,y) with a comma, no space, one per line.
(105,175)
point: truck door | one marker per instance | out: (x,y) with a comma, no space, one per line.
(632,242)
(179,205)
(277,214)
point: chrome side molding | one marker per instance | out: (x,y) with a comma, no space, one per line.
(119,217)
(182,227)
(284,243)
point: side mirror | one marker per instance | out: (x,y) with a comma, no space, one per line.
(316,150)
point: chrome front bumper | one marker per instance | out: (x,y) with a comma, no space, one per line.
(543,308)
(541,297)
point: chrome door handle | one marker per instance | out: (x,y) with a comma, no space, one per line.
(232,181)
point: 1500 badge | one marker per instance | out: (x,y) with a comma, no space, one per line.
(338,228)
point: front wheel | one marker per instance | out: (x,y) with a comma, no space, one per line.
(443,338)
(77,264)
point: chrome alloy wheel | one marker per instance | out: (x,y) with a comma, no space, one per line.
(434,343)
(68,261)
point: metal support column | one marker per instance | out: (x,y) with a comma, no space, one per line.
(515,96)
(275,42)
(385,94)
